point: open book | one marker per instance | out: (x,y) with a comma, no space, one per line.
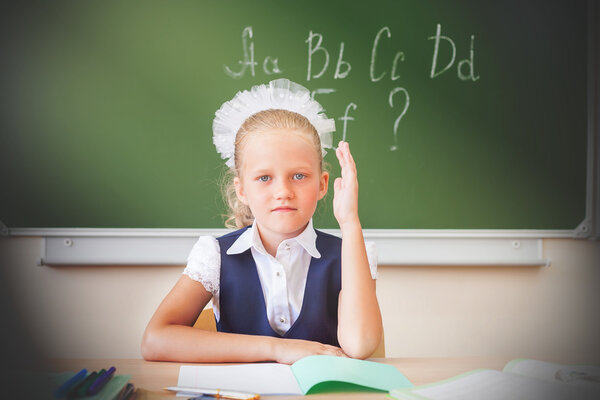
(520,379)
(314,374)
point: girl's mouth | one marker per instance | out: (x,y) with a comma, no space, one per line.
(284,209)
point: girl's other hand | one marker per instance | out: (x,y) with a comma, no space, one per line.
(345,197)
(288,351)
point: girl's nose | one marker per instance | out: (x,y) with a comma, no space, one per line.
(283,190)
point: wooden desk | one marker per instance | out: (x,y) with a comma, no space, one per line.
(153,376)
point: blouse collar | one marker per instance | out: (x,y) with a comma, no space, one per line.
(251,238)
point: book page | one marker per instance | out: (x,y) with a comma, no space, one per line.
(492,385)
(581,375)
(261,378)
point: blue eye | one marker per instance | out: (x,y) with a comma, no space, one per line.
(299,176)
(264,178)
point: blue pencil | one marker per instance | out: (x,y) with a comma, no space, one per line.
(66,387)
(101,381)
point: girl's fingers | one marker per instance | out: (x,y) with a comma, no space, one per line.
(345,155)
(339,152)
(349,167)
(334,351)
(340,155)
(337,184)
(339,352)
(350,158)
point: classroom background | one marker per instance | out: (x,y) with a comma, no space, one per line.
(474,126)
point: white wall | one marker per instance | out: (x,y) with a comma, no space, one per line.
(540,312)
(549,313)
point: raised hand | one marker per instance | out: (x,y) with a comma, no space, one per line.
(345,197)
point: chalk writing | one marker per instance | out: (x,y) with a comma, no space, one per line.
(338,74)
(397,121)
(321,91)
(470,61)
(347,118)
(399,56)
(374,53)
(248,60)
(312,50)
(317,53)
(274,66)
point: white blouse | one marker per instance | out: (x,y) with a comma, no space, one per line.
(282,277)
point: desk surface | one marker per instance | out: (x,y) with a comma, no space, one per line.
(154,376)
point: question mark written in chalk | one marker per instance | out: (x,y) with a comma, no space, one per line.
(399,118)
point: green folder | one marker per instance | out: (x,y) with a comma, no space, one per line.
(319,374)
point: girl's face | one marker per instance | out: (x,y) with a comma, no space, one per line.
(281,181)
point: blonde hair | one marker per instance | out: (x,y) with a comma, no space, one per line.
(239,215)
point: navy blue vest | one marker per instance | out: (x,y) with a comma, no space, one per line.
(242,304)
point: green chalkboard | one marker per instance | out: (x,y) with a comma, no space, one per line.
(461,114)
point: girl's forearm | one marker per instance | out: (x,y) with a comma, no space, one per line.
(187,344)
(359,318)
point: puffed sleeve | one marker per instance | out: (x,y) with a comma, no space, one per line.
(204,264)
(372,257)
